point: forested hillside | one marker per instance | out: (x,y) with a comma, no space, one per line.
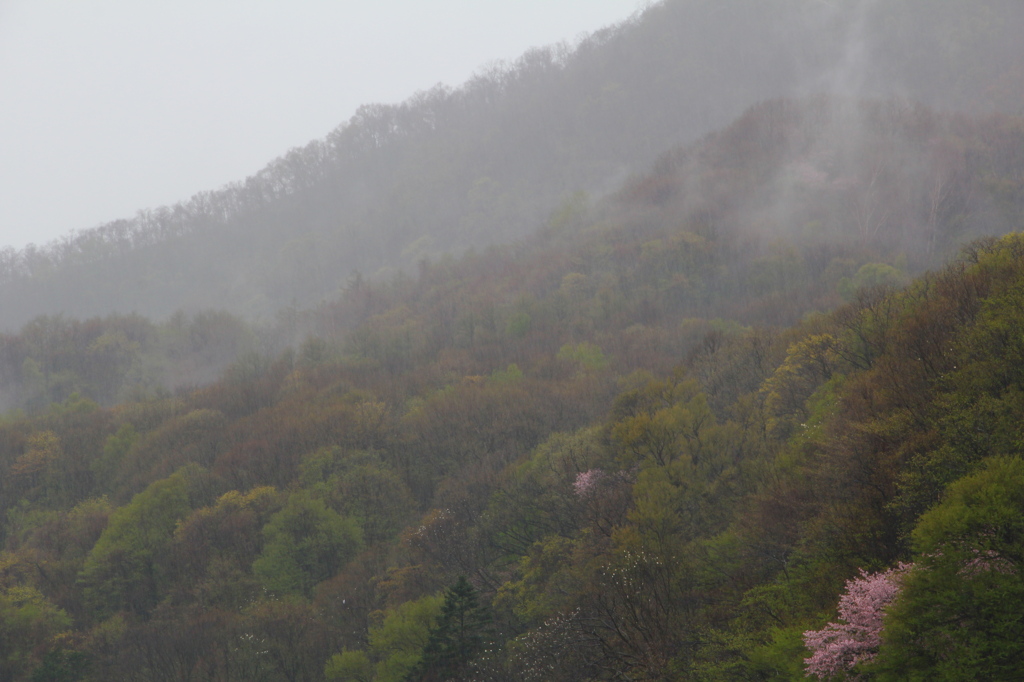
(595,511)
(790,209)
(693,352)
(486,162)
(637,445)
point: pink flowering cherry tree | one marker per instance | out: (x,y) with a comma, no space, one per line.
(839,647)
(587,481)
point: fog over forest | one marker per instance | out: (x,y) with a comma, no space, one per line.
(488,161)
(687,350)
(116,106)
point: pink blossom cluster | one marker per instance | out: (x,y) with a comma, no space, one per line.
(586,482)
(838,647)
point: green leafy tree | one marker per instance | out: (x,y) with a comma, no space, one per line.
(586,356)
(376,498)
(305,543)
(115,448)
(214,547)
(349,666)
(35,472)
(61,665)
(958,617)
(868,276)
(124,570)
(286,640)
(27,620)
(395,645)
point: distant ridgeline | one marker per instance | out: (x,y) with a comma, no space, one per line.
(489,161)
(791,209)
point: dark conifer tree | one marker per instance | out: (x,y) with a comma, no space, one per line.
(461,633)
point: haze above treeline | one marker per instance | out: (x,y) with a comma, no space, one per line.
(119,106)
(488,161)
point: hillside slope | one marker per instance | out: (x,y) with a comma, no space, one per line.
(789,210)
(301,518)
(487,162)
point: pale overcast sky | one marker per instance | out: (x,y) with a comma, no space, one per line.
(109,106)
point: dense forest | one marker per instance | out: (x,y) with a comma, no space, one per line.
(723,387)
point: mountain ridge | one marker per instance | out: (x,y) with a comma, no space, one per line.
(486,162)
